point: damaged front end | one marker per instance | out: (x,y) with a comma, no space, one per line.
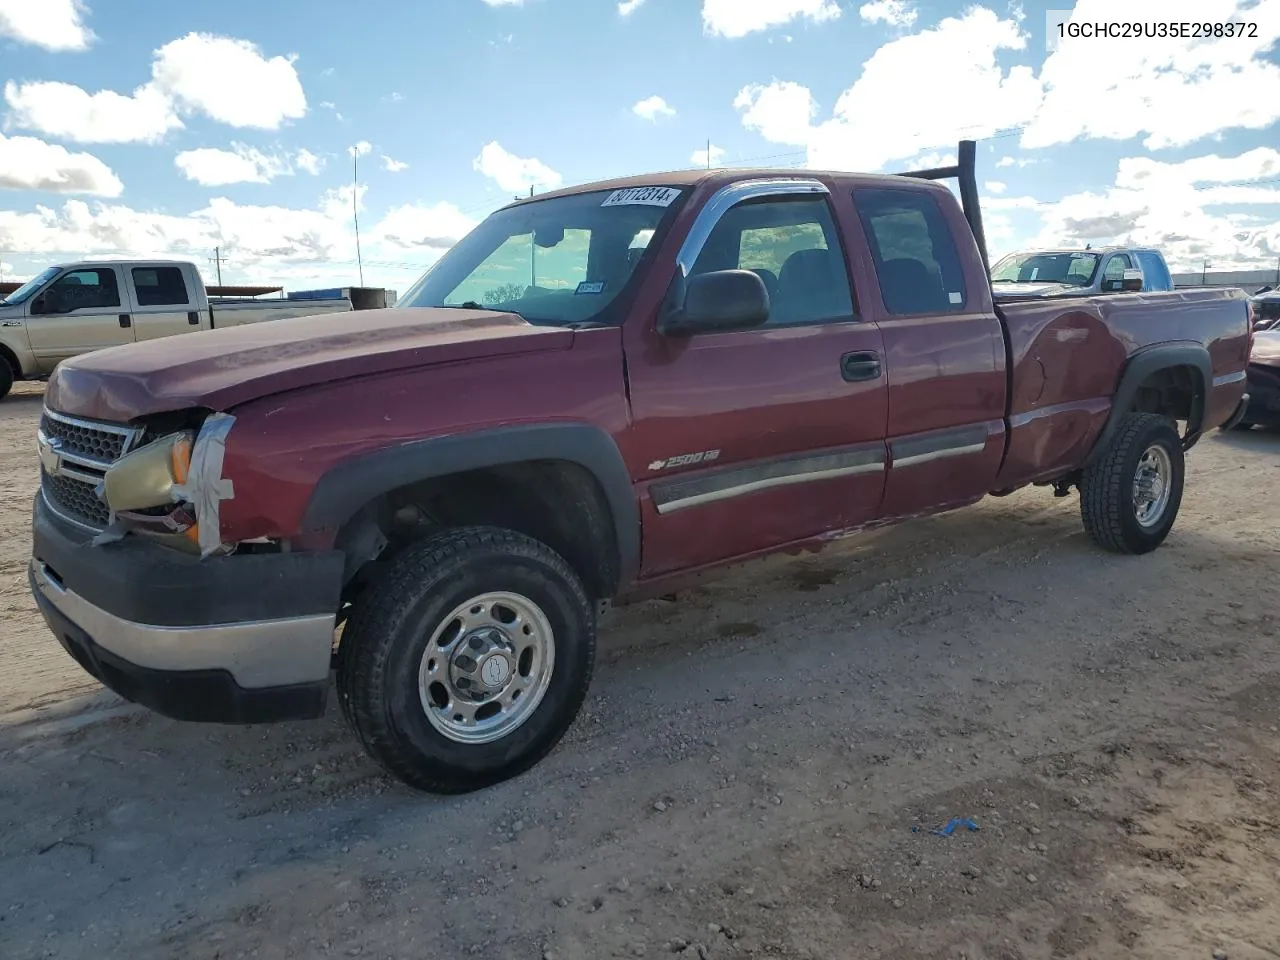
(170,489)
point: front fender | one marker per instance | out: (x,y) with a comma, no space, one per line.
(346,488)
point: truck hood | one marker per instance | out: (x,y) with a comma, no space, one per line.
(999,290)
(219,369)
(1266,349)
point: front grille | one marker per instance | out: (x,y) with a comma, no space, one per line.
(75,499)
(85,449)
(101,442)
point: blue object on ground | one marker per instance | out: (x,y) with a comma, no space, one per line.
(950,828)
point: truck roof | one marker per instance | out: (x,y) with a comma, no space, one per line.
(720,176)
(1109,248)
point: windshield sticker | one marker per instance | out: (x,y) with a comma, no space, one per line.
(590,286)
(642,196)
(955,297)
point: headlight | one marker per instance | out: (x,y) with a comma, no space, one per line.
(146,477)
(171,488)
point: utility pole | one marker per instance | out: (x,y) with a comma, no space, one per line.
(355,205)
(708,153)
(1204,273)
(218,260)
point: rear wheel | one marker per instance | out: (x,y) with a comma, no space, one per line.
(468,661)
(1129,499)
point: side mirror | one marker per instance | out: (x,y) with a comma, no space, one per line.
(719,301)
(1132,280)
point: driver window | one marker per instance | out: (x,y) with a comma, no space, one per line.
(791,244)
(520,268)
(84,290)
(1116,267)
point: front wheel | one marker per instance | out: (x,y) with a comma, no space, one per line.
(7,376)
(1130,497)
(467,662)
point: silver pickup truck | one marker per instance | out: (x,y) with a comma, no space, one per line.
(76,308)
(1080,273)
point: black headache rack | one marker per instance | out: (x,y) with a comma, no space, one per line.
(965,171)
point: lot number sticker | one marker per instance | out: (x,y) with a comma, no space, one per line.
(642,196)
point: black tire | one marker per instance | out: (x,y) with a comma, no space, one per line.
(383,645)
(1242,426)
(1107,502)
(7,376)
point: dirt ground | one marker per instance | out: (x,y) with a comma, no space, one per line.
(756,774)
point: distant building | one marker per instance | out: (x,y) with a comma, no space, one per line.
(1247,280)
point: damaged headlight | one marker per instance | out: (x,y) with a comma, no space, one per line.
(170,488)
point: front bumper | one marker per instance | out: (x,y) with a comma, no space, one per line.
(239,639)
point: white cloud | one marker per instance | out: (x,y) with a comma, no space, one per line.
(27,163)
(514,174)
(651,108)
(360,149)
(68,112)
(896,13)
(295,247)
(212,167)
(1175,91)
(779,111)
(414,226)
(627,7)
(930,161)
(995,186)
(309,162)
(503,3)
(1172,206)
(977,98)
(56,25)
(1015,161)
(394,166)
(737,18)
(230,81)
(699,158)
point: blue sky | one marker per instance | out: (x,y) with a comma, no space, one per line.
(142,128)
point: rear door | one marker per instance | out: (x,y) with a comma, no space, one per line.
(166,304)
(944,349)
(82,310)
(750,439)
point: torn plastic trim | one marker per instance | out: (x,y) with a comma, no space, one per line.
(206,488)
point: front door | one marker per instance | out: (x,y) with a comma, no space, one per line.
(748,440)
(81,311)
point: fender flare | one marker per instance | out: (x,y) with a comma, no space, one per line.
(346,488)
(1138,368)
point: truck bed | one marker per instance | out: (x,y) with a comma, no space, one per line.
(1067,356)
(231,312)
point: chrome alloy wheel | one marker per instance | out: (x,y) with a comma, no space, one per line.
(1152,486)
(486,667)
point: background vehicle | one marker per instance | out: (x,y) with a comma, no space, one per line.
(600,393)
(1263,407)
(1266,311)
(1080,273)
(75,308)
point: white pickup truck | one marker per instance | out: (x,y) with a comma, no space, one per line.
(75,308)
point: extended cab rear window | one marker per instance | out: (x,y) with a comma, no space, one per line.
(916,258)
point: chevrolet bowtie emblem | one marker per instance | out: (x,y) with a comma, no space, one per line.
(50,457)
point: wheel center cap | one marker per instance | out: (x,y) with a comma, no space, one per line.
(494,670)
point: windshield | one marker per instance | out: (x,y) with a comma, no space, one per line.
(1073,269)
(25,291)
(555,262)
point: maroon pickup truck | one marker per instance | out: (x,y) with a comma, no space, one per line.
(598,394)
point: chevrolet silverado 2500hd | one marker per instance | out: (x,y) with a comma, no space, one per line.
(598,394)
(76,308)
